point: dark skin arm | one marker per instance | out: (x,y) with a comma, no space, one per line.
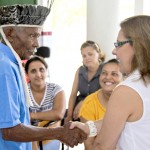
(23,133)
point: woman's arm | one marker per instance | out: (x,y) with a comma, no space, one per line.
(89,142)
(124,105)
(85,128)
(73,97)
(77,110)
(57,112)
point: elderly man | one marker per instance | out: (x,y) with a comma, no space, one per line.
(20,27)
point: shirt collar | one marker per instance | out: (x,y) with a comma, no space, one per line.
(7,51)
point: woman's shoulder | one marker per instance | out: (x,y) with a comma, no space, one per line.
(53,86)
(124,92)
(91,98)
(82,69)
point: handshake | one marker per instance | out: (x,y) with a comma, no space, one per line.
(71,135)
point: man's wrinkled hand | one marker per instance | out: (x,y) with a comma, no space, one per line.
(72,137)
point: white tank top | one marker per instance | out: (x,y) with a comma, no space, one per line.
(136,135)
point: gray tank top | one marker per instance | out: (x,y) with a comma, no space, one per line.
(86,87)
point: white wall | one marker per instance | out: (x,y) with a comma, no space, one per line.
(71,24)
(104,16)
(67,22)
(102,23)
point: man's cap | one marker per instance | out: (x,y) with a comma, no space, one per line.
(23,14)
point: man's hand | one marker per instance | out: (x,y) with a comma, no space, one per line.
(73,136)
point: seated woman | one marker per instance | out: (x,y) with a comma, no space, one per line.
(94,105)
(86,77)
(49,103)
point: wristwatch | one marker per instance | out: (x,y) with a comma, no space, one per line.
(92,128)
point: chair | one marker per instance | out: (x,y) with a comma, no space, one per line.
(43,51)
(49,124)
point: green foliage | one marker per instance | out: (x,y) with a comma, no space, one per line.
(12,2)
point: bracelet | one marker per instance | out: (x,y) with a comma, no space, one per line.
(92,128)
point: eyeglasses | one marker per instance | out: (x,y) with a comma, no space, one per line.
(121,43)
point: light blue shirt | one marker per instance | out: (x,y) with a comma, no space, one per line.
(13,108)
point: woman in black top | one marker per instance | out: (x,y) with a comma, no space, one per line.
(86,79)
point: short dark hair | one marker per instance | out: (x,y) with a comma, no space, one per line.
(112,61)
(33,59)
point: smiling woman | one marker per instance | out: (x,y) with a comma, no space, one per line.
(48,98)
(86,77)
(94,106)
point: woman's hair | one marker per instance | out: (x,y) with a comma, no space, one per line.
(111,61)
(137,29)
(33,59)
(96,47)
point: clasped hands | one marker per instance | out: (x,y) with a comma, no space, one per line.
(73,133)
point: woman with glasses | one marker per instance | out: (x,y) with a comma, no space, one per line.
(86,79)
(127,119)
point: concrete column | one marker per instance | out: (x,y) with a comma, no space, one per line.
(39,2)
(138,9)
(102,23)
